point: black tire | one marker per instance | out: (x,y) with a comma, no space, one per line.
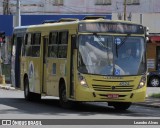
(154,81)
(27,94)
(121,105)
(64,102)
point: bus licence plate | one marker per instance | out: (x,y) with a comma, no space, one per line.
(112,96)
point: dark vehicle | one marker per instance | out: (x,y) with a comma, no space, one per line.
(153,60)
(154,79)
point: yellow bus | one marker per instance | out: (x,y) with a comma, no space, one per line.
(95,60)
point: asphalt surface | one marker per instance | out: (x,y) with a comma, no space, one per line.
(149,102)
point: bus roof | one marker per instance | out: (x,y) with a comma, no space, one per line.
(69,21)
(80,21)
(20,30)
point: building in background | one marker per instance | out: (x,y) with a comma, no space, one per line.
(146,12)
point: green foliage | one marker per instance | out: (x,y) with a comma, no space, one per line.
(155,95)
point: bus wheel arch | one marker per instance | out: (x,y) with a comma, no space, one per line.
(64,102)
(30,96)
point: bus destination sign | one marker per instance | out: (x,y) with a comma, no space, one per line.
(108,27)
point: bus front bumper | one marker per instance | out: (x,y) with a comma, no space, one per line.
(86,94)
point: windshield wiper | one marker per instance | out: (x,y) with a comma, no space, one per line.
(119,45)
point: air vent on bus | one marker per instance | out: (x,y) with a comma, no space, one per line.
(94,17)
(49,21)
(68,19)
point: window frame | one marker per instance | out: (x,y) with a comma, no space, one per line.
(58,2)
(58,45)
(133,2)
(50,45)
(30,44)
(103,2)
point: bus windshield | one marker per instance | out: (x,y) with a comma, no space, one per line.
(111,55)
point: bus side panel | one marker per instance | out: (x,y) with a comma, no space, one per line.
(56,70)
(52,77)
(32,68)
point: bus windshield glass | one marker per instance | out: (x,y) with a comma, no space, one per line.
(114,27)
(111,55)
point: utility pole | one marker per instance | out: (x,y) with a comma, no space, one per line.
(18,14)
(125,9)
(2,39)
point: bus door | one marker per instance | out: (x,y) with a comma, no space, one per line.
(18,43)
(72,64)
(44,70)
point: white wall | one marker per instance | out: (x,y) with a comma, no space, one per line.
(151,20)
(150,9)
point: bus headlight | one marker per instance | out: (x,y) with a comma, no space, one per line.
(82,81)
(142,82)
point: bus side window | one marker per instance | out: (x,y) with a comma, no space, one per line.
(36,39)
(23,49)
(53,45)
(28,47)
(63,43)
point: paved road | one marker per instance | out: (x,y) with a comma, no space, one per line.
(13,106)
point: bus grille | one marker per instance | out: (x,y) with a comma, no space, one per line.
(113,88)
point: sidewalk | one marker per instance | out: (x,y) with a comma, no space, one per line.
(7,87)
(149,102)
